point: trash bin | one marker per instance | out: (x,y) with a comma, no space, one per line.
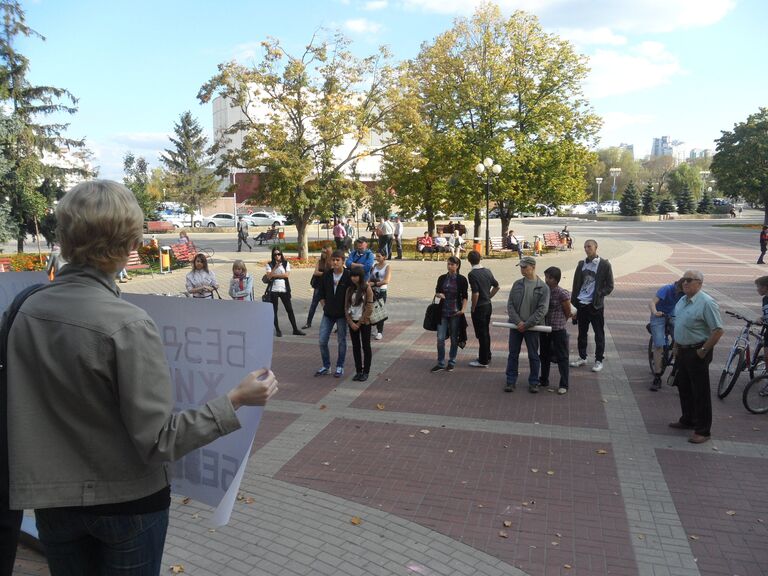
(476,246)
(165,260)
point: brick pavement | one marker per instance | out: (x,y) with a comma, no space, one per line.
(435,503)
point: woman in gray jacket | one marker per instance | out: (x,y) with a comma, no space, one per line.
(90,420)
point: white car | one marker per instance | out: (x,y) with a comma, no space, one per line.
(545,210)
(219,219)
(580,209)
(182,220)
(610,206)
(265,219)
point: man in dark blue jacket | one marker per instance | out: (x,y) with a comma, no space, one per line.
(333,292)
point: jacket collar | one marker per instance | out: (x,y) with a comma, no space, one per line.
(87,275)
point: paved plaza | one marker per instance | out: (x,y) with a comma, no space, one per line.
(445,474)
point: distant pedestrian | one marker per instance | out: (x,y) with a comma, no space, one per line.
(322,266)
(339,233)
(277,271)
(358,306)
(384,232)
(456,243)
(526,307)
(398,235)
(333,293)
(592,282)
(381,276)
(553,346)
(350,237)
(698,328)
(484,287)
(241,284)
(242,234)
(361,256)
(452,292)
(763,244)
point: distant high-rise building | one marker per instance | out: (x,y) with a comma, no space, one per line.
(697,153)
(665,146)
(628,147)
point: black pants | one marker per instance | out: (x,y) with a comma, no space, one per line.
(383,296)
(240,239)
(286,298)
(589,315)
(339,242)
(692,383)
(385,244)
(553,347)
(10,526)
(361,338)
(762,254)
(481,321)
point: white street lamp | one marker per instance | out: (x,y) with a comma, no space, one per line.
(490,170)
(614,172)
(598,181)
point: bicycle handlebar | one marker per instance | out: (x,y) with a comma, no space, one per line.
(740,317)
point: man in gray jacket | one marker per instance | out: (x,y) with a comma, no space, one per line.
(91,425)
(527,305)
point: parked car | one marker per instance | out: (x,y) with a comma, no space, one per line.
(610,206)
(219,219)
(265,219)
(545,210)
(182,220)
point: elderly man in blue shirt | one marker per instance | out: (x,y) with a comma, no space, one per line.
(698,328)
(361,257)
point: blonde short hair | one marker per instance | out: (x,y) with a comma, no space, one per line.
(99,222)
(239,264)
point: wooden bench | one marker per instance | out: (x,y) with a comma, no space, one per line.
(270,236)
(184,252)
(136,263)
(497,244)
(552,241)
(5,265)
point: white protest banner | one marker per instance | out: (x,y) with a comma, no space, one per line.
(531,329)
(11,283)
(210,345)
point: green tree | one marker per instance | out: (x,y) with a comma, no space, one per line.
(684,177)
(28,105)
(656,171)
(629,205)
(298,111)
(685,202)
(189,166)
(136,179)
(666,206)
(505,89)
(705,204)
(649,200)
(740,163)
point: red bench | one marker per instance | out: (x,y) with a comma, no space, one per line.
(552,240)
(185,252)
(136,263)
(5,265)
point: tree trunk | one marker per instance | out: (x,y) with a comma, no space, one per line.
(505,220)
(302,224)
(765,215)
(478,223)
(20,244)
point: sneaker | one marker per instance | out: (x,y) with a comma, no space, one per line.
(597,367)
(562,391)
(437,368)
(379,336)
(450,367)
(356,377)
(323,371)
(299,333)
(533,388)
(477,364)
(656,386)
(543,384)
(339,372)
(509,388)
(278,333)
(578,362)
(306,326)
(363,377)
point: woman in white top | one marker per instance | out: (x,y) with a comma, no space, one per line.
(201,282)
(456,244)
(278,270)
(381,274)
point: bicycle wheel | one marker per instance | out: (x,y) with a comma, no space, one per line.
(755,395)
(757,366)
(731,373)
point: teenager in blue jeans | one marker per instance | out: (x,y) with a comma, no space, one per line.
(333,292)
(452,290)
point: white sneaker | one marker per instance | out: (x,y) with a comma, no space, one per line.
(597,367)
(476,364)
(578,362)
(379,336)
(562,391)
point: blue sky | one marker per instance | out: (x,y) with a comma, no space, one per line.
(683,68)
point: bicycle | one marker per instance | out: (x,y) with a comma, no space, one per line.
(755,396)
(741,357)
(667,358)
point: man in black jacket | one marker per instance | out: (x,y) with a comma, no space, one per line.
(592,282)
(333,291)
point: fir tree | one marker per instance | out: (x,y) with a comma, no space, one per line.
(649,200)
(685,204)
(666,206)
(630,201)
(705,204)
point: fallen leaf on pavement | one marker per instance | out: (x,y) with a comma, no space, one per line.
(196,516)
(425,431)
(567,566)
(550,472)
(249,500)
(731,513)
(323,407)
(379,406)
(558,534)
(185,500)
(640,537)
(507,523)
(326,463)
(240,496)
(355,520)
(503,534)
(534,470)
(177,568)
(601,451)
(555,543)
(692,537)
(450,451)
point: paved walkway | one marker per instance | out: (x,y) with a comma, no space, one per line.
(449,475)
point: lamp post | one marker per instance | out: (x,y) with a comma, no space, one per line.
(490,170)
(598,181)
(614,172)
(704,175)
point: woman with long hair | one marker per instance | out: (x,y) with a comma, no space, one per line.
(278,271)
(241,285)
(201,282)
(323,265)
(358,308)
(451,291)
(381,274)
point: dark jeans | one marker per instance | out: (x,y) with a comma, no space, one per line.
(553,347)
(286,299)
(341,335)
(692,383)
(361,338)
(385,243)
(762,254)
(380,326)
(313,306)
(481,321)
(589,315)
(81,544)
(532,346)
(10,524)
(399,245)
(240,239)
(339,242)
(448,326)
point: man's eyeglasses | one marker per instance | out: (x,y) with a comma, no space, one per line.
(686,280)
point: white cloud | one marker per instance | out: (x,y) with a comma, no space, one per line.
(595,36)
(246,52)
(108,153)
(643,66)
(362,26)
(376,5)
